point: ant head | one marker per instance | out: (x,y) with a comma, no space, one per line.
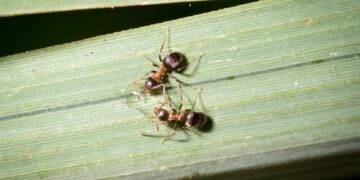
(150,83)
(174,61)
(161,114)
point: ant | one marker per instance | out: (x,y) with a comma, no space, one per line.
(179,119)
(175,61)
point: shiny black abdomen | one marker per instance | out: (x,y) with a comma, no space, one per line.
(173,61)
(195,119)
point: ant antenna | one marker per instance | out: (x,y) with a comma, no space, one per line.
(196,99)
(162,105)
(188,63)
(178,80)
(163,43)
(180,91)
(147,58)
(166,36)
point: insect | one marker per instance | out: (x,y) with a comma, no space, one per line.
(179,119)
(174,61)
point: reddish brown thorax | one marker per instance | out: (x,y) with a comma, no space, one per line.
(176,116)
(160,73)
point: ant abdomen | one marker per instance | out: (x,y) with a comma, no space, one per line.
(195,119)
(173,61)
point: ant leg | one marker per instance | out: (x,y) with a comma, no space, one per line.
(157,122)
(192,107)
(160,58)
(191,130)
(147,58)
(177,80)
(197,59)
(180,91)
(136,88)
(171,135)
(166,95)
(136,84)
(162,105)
(157,125)
(190,74)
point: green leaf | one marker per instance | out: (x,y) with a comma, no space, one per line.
(21,7)
(280,82)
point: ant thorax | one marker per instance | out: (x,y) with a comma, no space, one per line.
(160,73)
(177,116)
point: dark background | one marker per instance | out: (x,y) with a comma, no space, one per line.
(29,32)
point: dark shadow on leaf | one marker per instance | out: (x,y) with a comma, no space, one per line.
(187,65)
(208,126)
